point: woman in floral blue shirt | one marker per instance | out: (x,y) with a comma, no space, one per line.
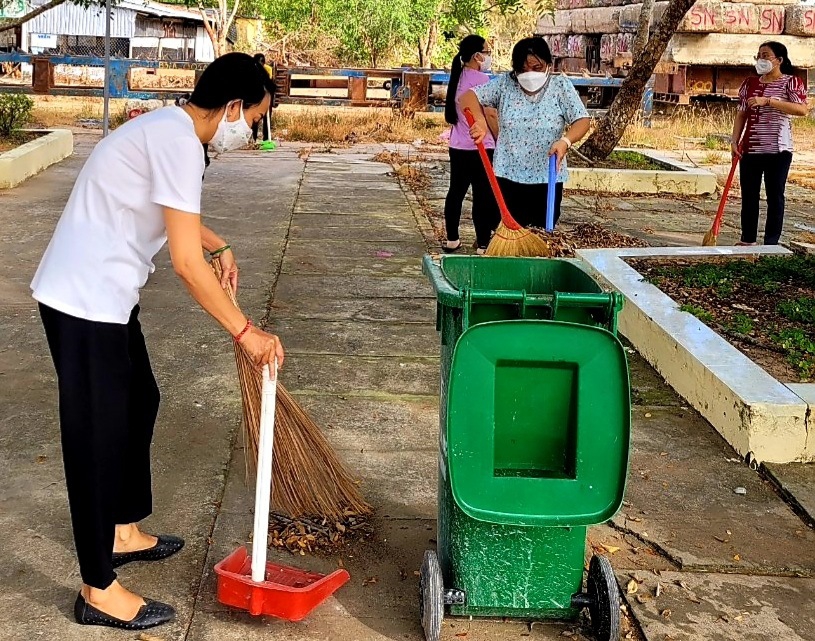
(539,114)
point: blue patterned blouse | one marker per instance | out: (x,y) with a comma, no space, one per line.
(529,125)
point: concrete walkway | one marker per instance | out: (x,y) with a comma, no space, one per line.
(330,253)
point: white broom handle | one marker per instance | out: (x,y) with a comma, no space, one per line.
(263,489)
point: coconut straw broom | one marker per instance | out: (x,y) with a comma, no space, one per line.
(308,479)
(510,239)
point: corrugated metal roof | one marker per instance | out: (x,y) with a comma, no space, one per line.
(161,10)
(72,20)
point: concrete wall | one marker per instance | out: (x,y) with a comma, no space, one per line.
(31,158)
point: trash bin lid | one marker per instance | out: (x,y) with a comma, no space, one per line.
(538,423)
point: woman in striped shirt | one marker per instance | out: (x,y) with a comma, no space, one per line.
(766,103)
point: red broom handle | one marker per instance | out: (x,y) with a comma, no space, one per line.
(506,217)
(717,222)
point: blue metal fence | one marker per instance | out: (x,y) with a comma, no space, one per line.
(120,69)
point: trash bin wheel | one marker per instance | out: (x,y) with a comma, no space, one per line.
(431,597)
(604,595)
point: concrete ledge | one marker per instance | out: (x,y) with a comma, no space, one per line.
(678,178)
(31,158)
(753,411)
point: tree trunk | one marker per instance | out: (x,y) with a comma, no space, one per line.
(427,45)
(643,28)
(625,106)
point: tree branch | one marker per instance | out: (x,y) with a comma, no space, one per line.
(17,22)
(231,17)
(210,32)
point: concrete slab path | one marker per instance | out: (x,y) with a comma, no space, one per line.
(330,250)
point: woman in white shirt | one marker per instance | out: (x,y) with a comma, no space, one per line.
(140,188)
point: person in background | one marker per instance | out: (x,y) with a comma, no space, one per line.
(539,114)
(766,102)
(267,125)
(87,286)
(469,70)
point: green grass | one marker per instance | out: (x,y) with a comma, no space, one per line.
(765,273)
(742,324)
(799,310)
(800,350)
(635,160)
(702,314)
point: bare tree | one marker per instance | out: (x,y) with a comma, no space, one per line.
(218,28)
(625,106)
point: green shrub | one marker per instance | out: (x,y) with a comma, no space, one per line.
(15,112)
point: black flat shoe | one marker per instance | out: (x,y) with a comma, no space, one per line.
(449,250)
(167,545)
(151,614)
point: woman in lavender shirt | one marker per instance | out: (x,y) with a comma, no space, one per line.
(466,169)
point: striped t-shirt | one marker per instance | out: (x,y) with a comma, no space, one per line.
(768,130)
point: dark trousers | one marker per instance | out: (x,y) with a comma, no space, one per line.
(774,168)
(467,169)
(108,402)
(266,126)
(527,203)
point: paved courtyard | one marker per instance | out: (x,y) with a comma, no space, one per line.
(330,247)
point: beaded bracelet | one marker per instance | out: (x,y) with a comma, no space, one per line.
(243,331)
(218,252)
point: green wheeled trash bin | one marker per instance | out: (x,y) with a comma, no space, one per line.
(534,436)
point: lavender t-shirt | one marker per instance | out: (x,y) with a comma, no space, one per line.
(460,134)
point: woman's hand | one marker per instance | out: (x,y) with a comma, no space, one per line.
(735,151)
(229,270)
(559,148)
(263,348)
(479,131)
(758,101)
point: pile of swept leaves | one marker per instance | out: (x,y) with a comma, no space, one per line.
(564,242)
(308,536)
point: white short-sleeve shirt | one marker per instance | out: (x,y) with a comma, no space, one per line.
(102,250)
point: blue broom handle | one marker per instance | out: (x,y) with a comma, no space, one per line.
(550,193)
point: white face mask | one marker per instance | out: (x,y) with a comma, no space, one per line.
(231,135)
(486,63)
(533,81)
(764,66)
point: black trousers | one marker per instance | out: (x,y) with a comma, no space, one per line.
(266,126)
(527,203)
(774,168)
(467,169)
(108,402)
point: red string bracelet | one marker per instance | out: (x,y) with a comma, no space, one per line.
(243,331)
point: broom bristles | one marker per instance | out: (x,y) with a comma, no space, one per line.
(517,242)
(308,479)
(710,239)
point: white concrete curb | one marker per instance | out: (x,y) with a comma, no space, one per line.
(683,179)
(753,411)
(31,158)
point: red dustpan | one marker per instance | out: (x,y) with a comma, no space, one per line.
(252,584)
